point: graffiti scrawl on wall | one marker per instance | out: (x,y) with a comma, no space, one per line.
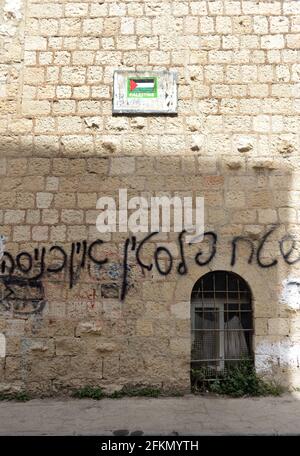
(21,276)
(21,287)
(2,245)
(22,296)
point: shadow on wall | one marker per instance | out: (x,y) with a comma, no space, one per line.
(62,316)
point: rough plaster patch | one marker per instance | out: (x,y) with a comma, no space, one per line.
(2,345)
(12,9)
(290,295)
(2,91)
(11,14)
(7,30)
(284,354)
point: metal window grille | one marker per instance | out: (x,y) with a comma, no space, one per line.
(222,322)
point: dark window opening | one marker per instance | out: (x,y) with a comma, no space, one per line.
(222,322)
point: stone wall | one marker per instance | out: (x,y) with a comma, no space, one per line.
(235,141)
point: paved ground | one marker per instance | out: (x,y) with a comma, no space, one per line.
(167,416)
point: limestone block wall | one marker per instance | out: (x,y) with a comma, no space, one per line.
(235,141)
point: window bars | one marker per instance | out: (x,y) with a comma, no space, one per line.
(222,322)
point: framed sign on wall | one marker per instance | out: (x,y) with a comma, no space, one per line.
(145,92)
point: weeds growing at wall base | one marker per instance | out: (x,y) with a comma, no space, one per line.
(91,392)
(237,381)
(20,397)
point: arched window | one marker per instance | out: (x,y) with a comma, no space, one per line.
(222,321)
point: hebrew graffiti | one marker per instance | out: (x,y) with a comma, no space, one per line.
(21,296)
(2,245)
(21,276)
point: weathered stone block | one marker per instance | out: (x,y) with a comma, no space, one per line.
(68,346)
(89,328)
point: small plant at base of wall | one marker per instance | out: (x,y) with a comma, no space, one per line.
(91,392)
(19,397)
(237,381)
